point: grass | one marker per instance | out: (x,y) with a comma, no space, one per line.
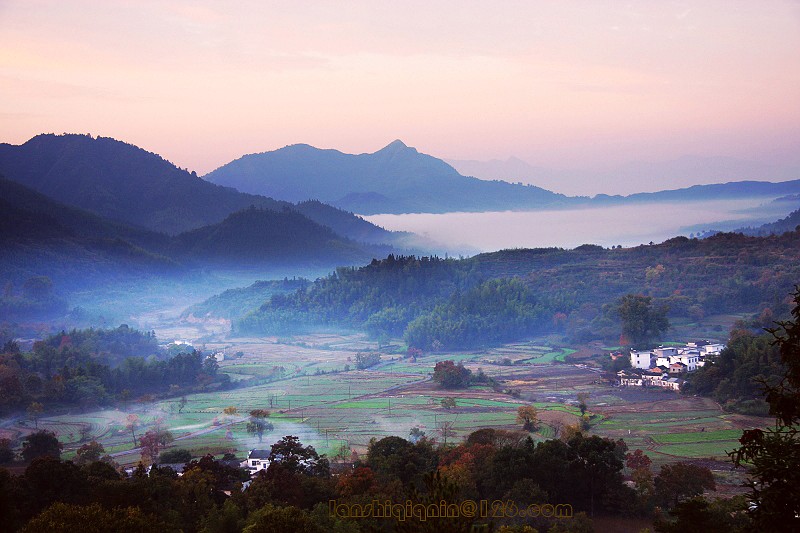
(698,436)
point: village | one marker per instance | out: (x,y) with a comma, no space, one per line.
(664,366)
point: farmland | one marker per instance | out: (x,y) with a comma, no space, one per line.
(313,390)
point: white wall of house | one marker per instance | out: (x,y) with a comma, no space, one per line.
(643,360)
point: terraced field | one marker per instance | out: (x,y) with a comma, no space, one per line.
(323,400)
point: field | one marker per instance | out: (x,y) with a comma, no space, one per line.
(319,396)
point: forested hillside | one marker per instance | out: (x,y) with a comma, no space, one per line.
(454,303)
(95,366)
(124,183)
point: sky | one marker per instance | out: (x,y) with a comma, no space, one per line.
(582,87)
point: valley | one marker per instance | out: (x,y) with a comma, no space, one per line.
(313,390)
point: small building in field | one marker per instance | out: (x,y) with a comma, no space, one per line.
(256,460)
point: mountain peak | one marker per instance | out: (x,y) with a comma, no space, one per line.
(395,146)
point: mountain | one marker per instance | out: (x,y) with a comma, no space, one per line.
(39,236)
(349,225)
(717,191)
(29,216)
(255,236)
(122,182)
(395,179)
(681,172)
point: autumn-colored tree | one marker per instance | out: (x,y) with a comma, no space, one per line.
(360,481)
(89,453)
(150,444)
(131,423)
(679,481)
(639,464)
(528,416)
(450,375)
(448,403)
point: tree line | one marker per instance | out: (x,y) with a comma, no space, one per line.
(491,298)
(92,367)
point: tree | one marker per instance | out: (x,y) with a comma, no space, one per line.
(394,458)
(6,452)
(416,434)
(270,518)
(182,403)
(364,361)
(131,423)
(528,416)
(582,398)
(178,455)
(448,403)
(642,322)
(290,454)
(639,464)
(774,453)
(451,376)
(41,443)
(680,481)
(150,444)
(446,429)
(230,411)
(89,453)
(258,424)
(92,519)
(35,410)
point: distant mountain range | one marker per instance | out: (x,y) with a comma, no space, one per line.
(684,171)
(399,179)
(122,182)
(395,179)
(74,204)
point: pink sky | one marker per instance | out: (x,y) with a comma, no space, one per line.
(572,85)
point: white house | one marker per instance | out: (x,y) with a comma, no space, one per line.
(643,360)
(256,460)
(712,349)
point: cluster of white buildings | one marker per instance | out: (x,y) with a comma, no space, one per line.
(663,366)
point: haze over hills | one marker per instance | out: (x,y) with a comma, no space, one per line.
(399,179)
(125,183)
(395,179)
(40,236)
(107,193)
(639,176)
(254,235)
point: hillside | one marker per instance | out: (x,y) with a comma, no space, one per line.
(518,293)
(255,236)
(27,215)
(122,182)
(789,223)
(395,179)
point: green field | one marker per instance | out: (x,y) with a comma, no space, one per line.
(330,408)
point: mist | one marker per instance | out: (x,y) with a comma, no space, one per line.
(626,225)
